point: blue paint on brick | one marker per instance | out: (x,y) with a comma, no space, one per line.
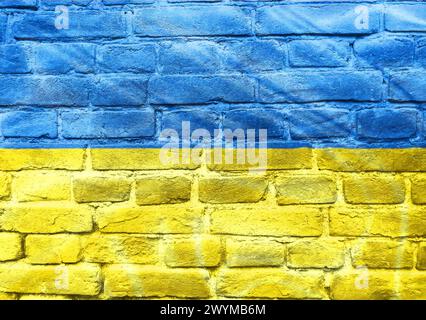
(120,91)
(317,124)
(64,58)
(314,74)
(384,52)
(271,120)
(204,119)
(108,124)
(408,85)
(319,53)
(14,59)
(308,86)
(24,124)
(387,124)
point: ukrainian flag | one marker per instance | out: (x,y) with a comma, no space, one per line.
(212,150)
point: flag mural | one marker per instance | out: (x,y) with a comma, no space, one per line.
(212,149)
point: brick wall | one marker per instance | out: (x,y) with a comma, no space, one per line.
(88,210)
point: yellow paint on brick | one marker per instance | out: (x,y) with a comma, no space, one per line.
(120,248)
(421,258)
(162,190)
(42,186)
(7,296)
(79,279)
(10,246)
(383,254)
(254,252)
(418,189)
(5,182)
(316,254)
(150,219)
(374,190)
(200,251)
(270,283)
(138,281)
(232,189)
(101,189)
(18,159)
(128,225)
(366,284)
(53,249)
(38,297)
(46,218)
(264,221)
(305,189)
(376,221)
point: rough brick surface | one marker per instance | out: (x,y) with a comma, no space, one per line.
(333,208)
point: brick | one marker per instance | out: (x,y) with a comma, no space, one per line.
(380,52)
(270,283)
(319,124)
(134,159)
(7,296)
(205,119)
(252,56)
(185,89)
(374,189)
(407,86)
(387,124)
(80,279)
(382,254)
(162,190)
(204,251)
(328,254)
(18,159)
(232,189)
(418,190)
(22,124)
(271,120)
(356,160)
(127,58)
(44,90)
(18,4)
(378,285)
(405,17)
(304,189)
(387,222)
(42,186)
(420,54)
(120,91)
(311,86)
(137,281)
(254,253)
(5,184)
(102,248)
(42,297)
(319,53)
(323,19)
(116,2)
(421,258)
(82,25)
(190,57)
(158,219)
(192,21)
(64,58)
(3,25)
(11,246)
(108,124)
(14,59)
(277,159)
(53,249)
(285,221)
(46,218)
(101,189)
(363,285)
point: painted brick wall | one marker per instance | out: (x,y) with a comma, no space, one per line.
(88,210)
